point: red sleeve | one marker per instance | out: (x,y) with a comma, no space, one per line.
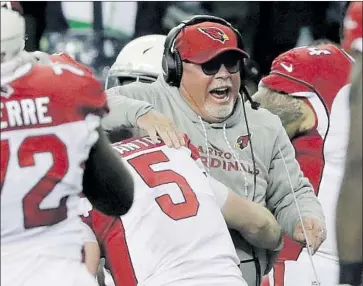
(99,223)
(110,235)
(83,91)
(91,98)
(309,154)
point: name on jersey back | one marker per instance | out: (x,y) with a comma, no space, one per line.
(130,146)
(25,112)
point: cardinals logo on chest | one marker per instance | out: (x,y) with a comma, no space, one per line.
(242,141)
(214,33)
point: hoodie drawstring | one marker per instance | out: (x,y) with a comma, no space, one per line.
(206,144)
(235,157)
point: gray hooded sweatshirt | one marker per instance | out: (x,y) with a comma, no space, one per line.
(221,146)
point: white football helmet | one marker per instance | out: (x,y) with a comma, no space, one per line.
(139,60)
(12,32)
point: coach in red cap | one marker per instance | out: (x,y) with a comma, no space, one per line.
(244,147)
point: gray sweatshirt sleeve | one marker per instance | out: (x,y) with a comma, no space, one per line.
(126,105)
(279,197)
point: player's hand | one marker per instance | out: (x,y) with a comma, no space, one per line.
(156,123)
(315,232)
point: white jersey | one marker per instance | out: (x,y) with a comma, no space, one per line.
(48,125)
(336,125)
(174,233)
(321,153)
(331,108)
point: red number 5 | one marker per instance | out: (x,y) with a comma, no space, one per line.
(188,208)
(34,216)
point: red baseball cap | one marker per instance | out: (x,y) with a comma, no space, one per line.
(302,71)
(202,42)
(353,34)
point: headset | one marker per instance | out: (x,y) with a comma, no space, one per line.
(173,70)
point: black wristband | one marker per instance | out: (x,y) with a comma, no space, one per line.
(351,273)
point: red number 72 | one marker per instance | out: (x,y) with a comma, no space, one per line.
(188,208)
(34,216)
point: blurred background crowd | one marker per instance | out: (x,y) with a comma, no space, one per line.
(95,32)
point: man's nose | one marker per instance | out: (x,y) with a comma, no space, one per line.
(223,72)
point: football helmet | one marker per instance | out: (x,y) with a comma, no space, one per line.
(12,32)
(139,60)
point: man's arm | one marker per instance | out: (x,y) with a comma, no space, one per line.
(106,181)
(126,104)
(280,200)
(92,251)
(255,223)
(131,106)
(349,208)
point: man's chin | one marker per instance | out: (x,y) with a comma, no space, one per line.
(217,116)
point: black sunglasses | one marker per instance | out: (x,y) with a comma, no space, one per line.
(231,63)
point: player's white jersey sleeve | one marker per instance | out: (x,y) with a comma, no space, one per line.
(334,150)
(220,191)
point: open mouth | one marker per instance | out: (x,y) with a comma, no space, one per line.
(220,92)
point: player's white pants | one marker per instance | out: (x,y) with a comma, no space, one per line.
(45,271)
(301,273)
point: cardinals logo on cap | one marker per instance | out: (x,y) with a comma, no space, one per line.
(242,141)
(214,33)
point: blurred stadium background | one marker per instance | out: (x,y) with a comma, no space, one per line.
(95,32)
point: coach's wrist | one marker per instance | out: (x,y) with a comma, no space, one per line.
(141,111)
